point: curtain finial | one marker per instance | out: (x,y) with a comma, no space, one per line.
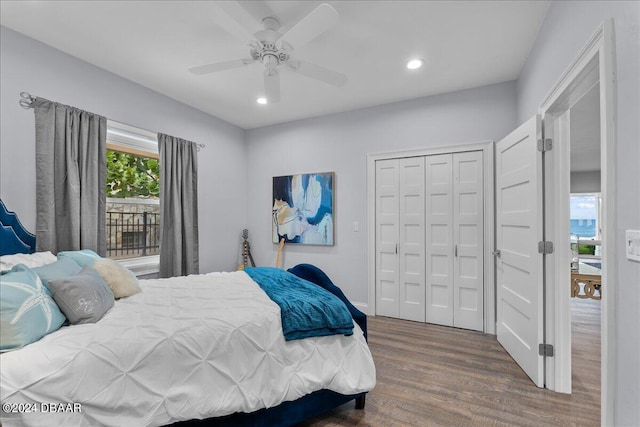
(26,100)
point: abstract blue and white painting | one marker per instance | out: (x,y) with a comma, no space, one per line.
(303,208)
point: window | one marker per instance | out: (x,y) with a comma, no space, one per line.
(133,214)
(585,223)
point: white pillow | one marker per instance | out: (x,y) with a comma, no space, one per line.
(37,259)
(123,283)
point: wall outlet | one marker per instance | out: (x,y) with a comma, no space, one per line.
(632,242)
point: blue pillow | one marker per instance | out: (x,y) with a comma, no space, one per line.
(60,269)
(27,309)
(84,257)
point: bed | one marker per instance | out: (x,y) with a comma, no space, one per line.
(204,347)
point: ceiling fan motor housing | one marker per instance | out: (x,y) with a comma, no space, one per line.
(265,50)
(268,50)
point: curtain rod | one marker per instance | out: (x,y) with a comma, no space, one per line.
(26,101)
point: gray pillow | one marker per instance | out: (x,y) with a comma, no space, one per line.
(84,297)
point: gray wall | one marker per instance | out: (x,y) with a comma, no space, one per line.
(340,143)
(28,65)
(566,29)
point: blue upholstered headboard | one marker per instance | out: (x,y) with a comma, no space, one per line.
(14,239)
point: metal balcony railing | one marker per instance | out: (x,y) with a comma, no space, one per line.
(132,234)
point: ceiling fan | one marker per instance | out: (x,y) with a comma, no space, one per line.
(271,48)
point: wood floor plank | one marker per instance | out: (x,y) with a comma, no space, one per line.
(429,375)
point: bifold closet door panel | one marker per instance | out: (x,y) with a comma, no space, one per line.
(387,228)
(430,239)
(411,248)
(439,239)
(468,237)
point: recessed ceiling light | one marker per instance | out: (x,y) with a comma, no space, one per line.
(261,100)
(414,64)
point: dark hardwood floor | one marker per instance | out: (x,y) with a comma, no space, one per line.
(433,375)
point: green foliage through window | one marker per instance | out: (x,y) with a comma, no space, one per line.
(586,249)
(132,176)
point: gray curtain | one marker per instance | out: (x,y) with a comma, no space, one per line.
(178,206)
(71,173)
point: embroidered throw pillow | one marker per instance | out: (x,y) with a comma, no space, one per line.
(84,297)
(27,309)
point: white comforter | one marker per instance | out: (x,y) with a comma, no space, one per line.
(184,348)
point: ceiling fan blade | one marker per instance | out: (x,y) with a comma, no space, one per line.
(220,66)
(236,20)
(272,85)
(317,72)
(311,26)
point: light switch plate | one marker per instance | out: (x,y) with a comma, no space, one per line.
(632,242)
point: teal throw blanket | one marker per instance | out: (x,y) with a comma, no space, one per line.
(306,309)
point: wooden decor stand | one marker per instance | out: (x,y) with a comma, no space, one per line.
(279,256)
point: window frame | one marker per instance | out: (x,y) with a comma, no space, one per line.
(597,240)
(138,142)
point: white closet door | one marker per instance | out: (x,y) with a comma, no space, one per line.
(439,235)
(468,237)
(412,251)
(387,215)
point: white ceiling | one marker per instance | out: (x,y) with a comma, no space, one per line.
(465,44)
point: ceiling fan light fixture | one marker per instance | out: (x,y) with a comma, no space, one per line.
(262,100)
(414,64)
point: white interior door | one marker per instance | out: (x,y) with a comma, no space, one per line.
(519,268)
(439,243)
(468,238)
(412,299)
(387,223)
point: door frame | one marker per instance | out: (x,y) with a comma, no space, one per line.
(594,64)
(487,148)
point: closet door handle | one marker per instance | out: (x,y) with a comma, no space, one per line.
(396,249)
(456,250)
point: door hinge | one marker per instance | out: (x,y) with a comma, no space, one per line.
(545,144)
(545,247)
(545,350)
